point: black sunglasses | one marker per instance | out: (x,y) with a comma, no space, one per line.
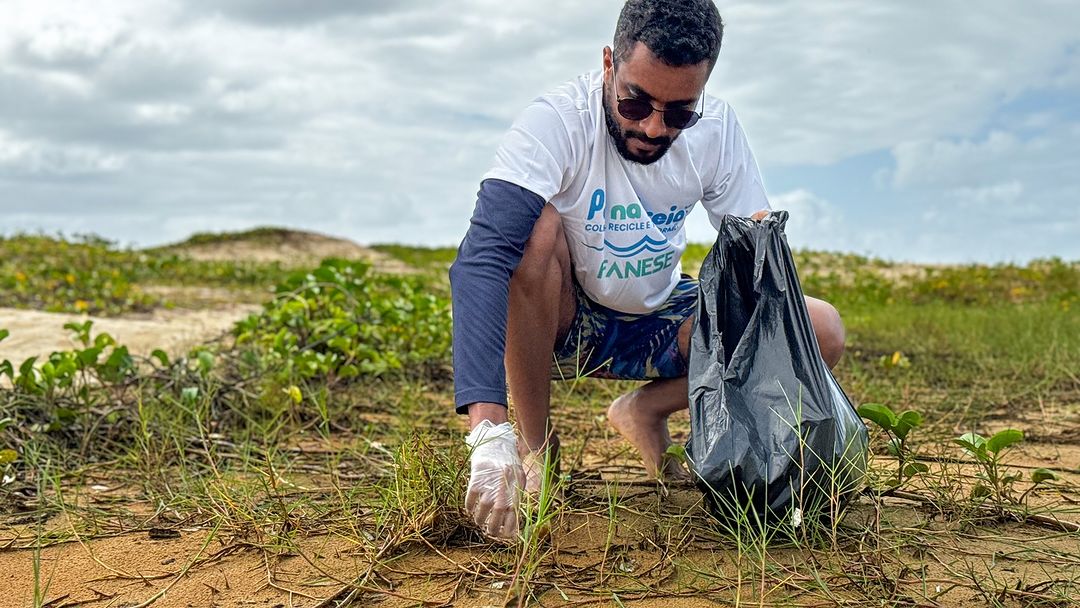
(632,108)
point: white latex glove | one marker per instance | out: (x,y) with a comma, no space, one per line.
(495,479)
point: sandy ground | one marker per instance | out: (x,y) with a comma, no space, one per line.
(188,570)
(35,333)
(189,567)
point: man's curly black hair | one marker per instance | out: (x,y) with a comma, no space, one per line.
(678,32)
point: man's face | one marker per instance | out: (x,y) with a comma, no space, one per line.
(645,77)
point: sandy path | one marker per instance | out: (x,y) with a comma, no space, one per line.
(40,333)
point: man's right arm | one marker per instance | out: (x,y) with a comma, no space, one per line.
(480,284)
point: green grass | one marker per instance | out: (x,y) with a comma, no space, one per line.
(431,259)
(267,443)
(970,361)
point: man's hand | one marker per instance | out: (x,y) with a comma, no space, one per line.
(760,215)
(495,479)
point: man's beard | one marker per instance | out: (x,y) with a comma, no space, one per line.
(620,139)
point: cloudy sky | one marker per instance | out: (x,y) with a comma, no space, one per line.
(945,131)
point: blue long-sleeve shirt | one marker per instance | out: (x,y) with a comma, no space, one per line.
(480,285)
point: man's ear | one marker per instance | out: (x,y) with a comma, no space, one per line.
(608,58)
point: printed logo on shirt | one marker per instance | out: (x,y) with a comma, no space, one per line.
(632,217)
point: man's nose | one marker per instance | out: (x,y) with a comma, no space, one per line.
(653,125)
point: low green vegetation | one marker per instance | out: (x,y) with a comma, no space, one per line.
(431,259)
(897,427)
(341,320)
(995,482)
(852,281)
(328,414)
(91,275)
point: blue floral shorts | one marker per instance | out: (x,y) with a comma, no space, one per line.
(606,343)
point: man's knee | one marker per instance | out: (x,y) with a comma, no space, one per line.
(685,331)
(829,329)
(546,250)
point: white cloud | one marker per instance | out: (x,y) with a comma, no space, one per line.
(162,113)
(951,162)
(1007,196)
(67,45)
(817,82)
(1004,193)
(814,223)
(289,13)
(1001,177)
(22,159)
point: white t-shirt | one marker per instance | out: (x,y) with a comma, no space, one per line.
(624,222)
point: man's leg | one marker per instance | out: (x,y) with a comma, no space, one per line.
(640,416)
(828,328)
(541,309)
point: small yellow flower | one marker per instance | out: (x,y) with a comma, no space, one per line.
(20,277)
(82,305)
(294,393)
(70,278)
(1020,292)
(897,359)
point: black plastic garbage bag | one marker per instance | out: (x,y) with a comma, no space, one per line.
(773,437)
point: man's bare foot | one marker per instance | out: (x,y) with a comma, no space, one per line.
(648,433)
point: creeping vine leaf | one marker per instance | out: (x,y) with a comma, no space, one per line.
(878,414)
(1003,439)
(1040,475)
(898,428)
